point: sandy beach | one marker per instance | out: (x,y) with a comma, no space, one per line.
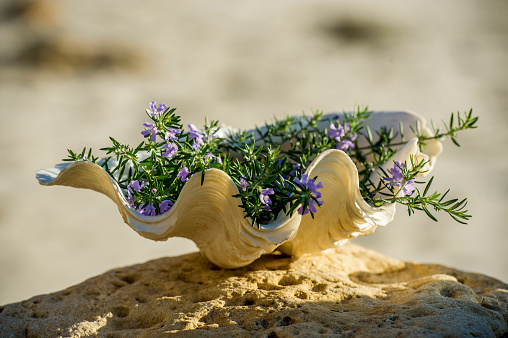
(73,73)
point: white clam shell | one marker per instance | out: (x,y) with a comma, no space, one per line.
(210,216)
(207,214)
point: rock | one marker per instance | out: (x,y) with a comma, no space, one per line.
(349,291)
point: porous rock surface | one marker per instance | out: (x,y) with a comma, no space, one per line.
(349,291)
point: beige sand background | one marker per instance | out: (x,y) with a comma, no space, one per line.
(74,72)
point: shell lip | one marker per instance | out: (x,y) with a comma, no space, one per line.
(46,176)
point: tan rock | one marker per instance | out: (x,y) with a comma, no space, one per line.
(350,291)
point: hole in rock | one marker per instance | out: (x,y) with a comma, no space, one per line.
(129,279)
(121,311)
(449,292)
(249,302)
(286,321)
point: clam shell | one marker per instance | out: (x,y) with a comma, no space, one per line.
(210,216)
(207,214)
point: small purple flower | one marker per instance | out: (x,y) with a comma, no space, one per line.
(397,180)
(171,150)
(194,132)
(154,191)
(198,142)
(313,187)
(243,184)
(210,157)
(149,210)
(396,172)
(337,132)
(263,197)
(195,135)
(347,144)
(165,206)
(154,110)
(311,208)
(152,130)
(183,173)
(295,169)
(407,188)
(171,134)
(310,183)
(135,184)
(137,187)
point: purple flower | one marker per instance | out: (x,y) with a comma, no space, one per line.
(311,208)
(347,144)
(295,169)
(337,132)
(396,172)
(165,206)
(137,187)
(154,110)
(407,188)
(305,182)
(194,132)
(149,210)
(210,157)
(198,142)
(154,191)
(171,134)
(397,180)
(171,150)
(195,135)
(183,173)
(135,184)
(263,197)
(152,129)
(310,183)
(243,184)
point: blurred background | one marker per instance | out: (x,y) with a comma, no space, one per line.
(74,72)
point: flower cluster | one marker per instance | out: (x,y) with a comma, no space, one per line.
(341,134)
(269,180)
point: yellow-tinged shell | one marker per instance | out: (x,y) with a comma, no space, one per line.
(210,216)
